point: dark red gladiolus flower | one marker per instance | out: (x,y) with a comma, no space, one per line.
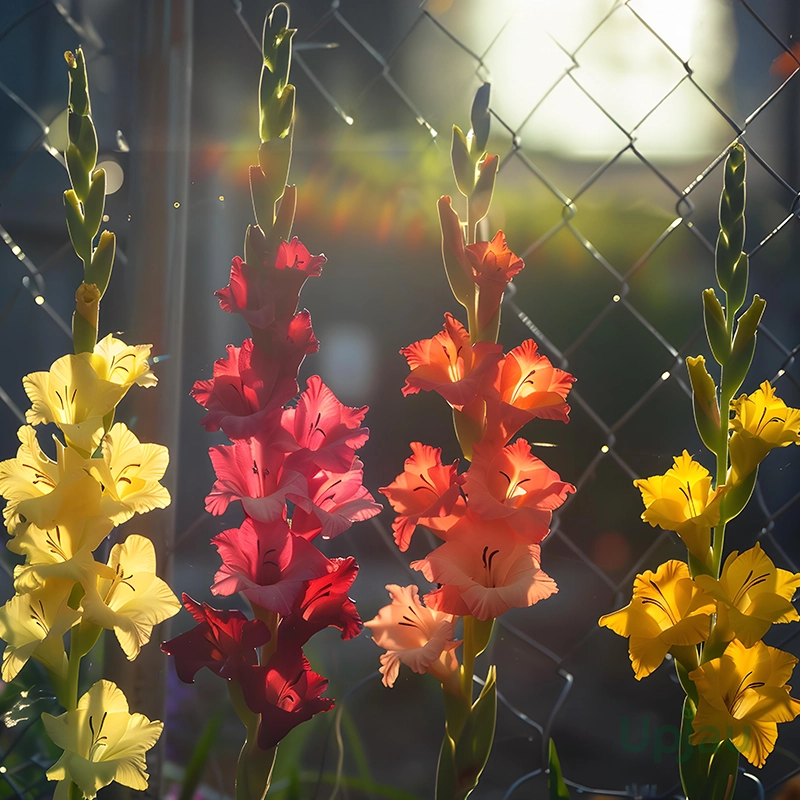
(223,641)
(323,604)
(285,692)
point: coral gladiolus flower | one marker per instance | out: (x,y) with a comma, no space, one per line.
(133,599)
(762,422)
(102,743)
(527,387)
(752,594)
(130,472)
(46,493)
(743,695)
(267,563)
(425,493)
(335,500)
(449,364)
(681,500)
(256,473)
(246,387)
(667,610)
(223,641)
(419,637)
(485,569)
(33,626)
(493,266)
(285,692)
(513,485)
(322,604)
(323,431)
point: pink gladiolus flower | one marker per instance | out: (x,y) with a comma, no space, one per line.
(286,342)
(513,485)
(419,637)
(223,641)
(323,603)
(324,431)
(485,569)
(267,563)
(254,472)
(425,493)
(449,364)
(285,692)
(333,502)
(245,388)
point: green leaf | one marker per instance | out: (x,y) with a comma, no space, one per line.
(738,496)
(693,761)
(555,779)
(446,770)
(199,758)
(722,774)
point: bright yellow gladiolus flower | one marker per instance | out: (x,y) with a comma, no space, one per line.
(762,422)
(129,473)
(752,594)
(668,610)
(681,500)
(102,742)
(119,363)
(45,493)
(133,599)
(33,626)
(742,697)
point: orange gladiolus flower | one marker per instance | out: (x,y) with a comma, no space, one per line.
(425,493)
(493,266)
(449,364)
(513,485)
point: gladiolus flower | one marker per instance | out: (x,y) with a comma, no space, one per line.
(285,692)
(33,626)
(419,637)
(742,696)
(223,641)
(102,743)
(681,500)
(322,604)
(668,609)
(267,563)
(762,422)
(513,485)
(425,493)
(334,501)
(123,364)
(286,343)
(133,598)
(245,389)
(449,364)
(485,569)
(752,595)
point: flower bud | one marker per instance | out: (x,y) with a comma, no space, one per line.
(98,271)
(748,324)
(480,119)
(716,330)
(95,203)
(704,397)
(481,198)
(463,162)
(75,225)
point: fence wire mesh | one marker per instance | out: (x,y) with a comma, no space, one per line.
(611,119)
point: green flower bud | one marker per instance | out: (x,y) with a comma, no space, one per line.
(716,330)
(463,163)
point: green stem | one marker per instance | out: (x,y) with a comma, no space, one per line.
(73,671)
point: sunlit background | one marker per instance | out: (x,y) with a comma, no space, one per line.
(610,119)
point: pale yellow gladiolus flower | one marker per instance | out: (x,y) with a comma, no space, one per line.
(762,422)
(33,626)
(130,473)
(102,742)
(123,364)
(128,597)
(668,609)
(742,696)
(752,594)
(681,500)
(43,492)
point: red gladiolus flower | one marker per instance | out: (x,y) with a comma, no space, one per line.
(513,485)
(324,431)
(267,563)
(526,386)
(285,692)
(287,342)
(323,603)
(425,493)
(333,502)
(245,388)
(485,569)
(256,473)
(493,266)
(449,364)
(223,641)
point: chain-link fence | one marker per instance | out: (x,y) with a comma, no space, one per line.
(611,119)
